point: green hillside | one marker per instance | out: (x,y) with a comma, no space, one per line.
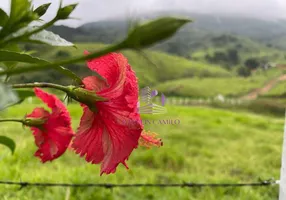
(231,51)
(210,87)
(151,66)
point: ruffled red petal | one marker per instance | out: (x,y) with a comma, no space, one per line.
(88,140)
(39,113)
(103,138)
(94,83)
(113,68)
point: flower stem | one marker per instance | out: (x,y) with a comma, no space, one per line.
(12,120)
(42,85)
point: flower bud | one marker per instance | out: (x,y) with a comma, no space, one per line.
(41,10)
(34,122)
(154,31)
(64,13)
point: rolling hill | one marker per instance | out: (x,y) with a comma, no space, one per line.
(210,87)
(152,67)
(205,25)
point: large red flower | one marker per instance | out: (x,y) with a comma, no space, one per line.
(54,135)
(108,134)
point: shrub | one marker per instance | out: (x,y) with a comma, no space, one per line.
(252,63)
(243,71)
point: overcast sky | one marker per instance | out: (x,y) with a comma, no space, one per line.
(94,10)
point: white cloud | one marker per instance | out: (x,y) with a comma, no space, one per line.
(93,10)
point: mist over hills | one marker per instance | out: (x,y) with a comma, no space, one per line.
(235,44)
(110,30)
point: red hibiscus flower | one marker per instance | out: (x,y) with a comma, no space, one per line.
(52,131)
(109,130)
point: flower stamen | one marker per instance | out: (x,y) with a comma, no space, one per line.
(149,139)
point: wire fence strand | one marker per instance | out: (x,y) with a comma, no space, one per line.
(161,185)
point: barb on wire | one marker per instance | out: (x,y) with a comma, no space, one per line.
(162,185)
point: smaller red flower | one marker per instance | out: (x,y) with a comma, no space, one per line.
(53,135)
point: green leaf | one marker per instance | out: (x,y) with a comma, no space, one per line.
(11,47)
(57,65)
(8,96)
(48,37)
(3,17)
(41,10)
(8,142)
(19,8)
(19,57)
(24,94)
(154,31)
(26,58)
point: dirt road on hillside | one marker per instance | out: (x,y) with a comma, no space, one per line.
(255,93)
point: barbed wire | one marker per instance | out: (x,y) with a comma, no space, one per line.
(162,185)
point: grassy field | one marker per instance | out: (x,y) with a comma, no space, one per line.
(209,145)
(210,87)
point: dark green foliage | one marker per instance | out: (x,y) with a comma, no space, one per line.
(223,40)
(243,71)
(252,63)
(233,56)
(217,57)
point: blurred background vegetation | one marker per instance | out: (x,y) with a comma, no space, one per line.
(232,56)
(224,80)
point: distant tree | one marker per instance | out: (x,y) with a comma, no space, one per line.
(233,56)
(227,59)
(177,47)
(219,56)
(223,40)
(243,71)
(252,63)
